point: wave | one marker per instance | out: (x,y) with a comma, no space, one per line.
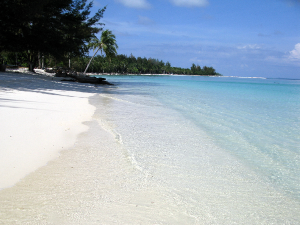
(246,77)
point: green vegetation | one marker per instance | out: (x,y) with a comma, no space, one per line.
(55,29)
(123,64)
(107,43)
(59,33)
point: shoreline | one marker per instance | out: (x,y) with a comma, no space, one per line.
(139,164)
(89,182)
(39,116)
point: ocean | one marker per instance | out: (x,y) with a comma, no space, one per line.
(223,150)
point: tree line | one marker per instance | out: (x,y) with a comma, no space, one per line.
(60,33)
(123,64)
(120,64)
(54,29)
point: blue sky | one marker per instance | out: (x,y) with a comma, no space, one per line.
(238,38)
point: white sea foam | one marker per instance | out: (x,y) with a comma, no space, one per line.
(244,77)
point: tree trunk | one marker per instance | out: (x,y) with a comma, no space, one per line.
(43,62)
(2,68)
(31,61)
(40,60)
(91,61)
(31,66)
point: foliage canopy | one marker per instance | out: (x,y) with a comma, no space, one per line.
(107,43)
(64,29)
(58,28)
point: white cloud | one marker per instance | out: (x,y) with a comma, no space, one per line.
(293,3)
(141,4)
(254,46)
(244,66)
(145,21)
(295,54)
(190,3)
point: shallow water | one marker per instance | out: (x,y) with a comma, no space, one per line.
(173,150)
(226,150)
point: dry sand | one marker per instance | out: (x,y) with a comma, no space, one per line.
(39,117)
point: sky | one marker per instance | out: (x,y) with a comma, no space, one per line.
(257,38)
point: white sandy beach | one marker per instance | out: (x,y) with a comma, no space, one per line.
(38,119)
(57,170)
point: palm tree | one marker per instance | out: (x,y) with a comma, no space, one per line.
(107,43)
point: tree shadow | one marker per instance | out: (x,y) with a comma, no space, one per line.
(45,84)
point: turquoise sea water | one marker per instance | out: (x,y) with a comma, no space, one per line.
(223,146)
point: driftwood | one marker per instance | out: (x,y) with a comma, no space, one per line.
(91,80)
(81,78)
